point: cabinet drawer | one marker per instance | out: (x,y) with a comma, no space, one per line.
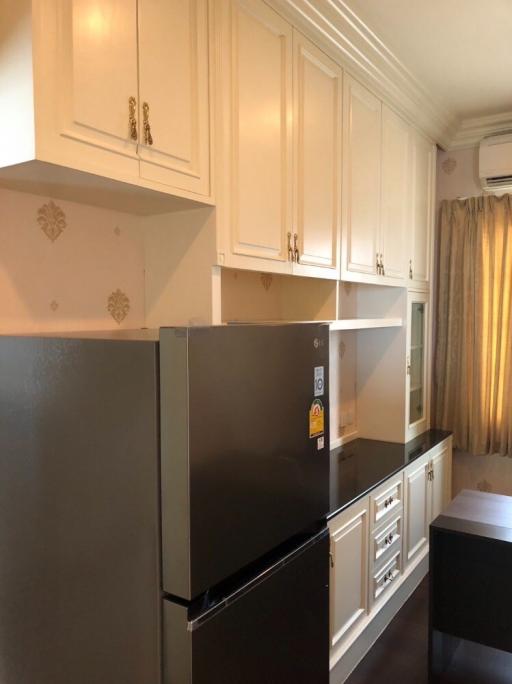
(386,502)
(386,577)
(387,541)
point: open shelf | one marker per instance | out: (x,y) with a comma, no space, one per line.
(365,323)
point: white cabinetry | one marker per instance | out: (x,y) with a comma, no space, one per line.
(96,50)
(349,571)
(94,66)
(173,93)
(386,519)
(255,215)
(376,189)
(361,180)
(427,491)
(417,502)
(395,194)
(441,480)
(278,147)
(317,160)
(422,210)
(418,364)
(378,542)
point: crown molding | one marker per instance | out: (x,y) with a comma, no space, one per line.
(342,34)
(472,130)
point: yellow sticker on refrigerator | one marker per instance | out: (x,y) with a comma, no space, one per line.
(316,419)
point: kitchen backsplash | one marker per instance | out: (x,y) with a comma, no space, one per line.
(67,266)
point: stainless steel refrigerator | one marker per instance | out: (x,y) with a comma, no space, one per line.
(162,506)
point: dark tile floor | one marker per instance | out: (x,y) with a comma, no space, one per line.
(400,655)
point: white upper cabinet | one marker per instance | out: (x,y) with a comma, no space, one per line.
(173,84)
(418,365)
(395,194)
(422,215)
(278,142)
(361,180)
(256,148)
(94,66)
(317,147)
(98,72)
(388,194)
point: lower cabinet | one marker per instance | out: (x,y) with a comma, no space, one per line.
(427,491)
(378,541)
(349,570)
(417,491)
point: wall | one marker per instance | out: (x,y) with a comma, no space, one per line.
(457,176)
(67,266)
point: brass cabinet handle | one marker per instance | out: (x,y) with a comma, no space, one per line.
(148,138)
(295,248)
(410,269)
(290,249)
(382,269)
(378,264)
(132,120)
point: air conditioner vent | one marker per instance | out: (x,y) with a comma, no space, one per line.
(495,162)
(499,181)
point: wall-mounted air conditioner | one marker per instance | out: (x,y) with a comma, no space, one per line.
(495,162)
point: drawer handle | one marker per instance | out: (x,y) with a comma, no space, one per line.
(388,539)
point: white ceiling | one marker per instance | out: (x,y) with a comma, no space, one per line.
(460,50)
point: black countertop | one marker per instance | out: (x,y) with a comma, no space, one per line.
(363,464)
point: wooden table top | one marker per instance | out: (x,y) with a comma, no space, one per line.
(478,513)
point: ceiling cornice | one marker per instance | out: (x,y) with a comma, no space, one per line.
(471,131)
(341,33)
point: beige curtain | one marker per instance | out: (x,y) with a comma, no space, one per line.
(473,352)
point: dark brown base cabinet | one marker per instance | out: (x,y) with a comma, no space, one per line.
(470,621)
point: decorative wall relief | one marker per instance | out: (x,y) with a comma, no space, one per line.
(484,486)
(54,305)
(118,306)
(449,165)
(52,220)
(266,280)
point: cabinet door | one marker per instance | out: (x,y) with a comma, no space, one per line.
(257,142)
(441,481)
(423,160)
(418,359)
(395,194)
(173,87)
(317,145)
(361,179)
(349,570)
(417,506)
(97,46)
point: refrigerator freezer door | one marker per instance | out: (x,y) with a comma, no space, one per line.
(245,445)
(79,548)
(275,630)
